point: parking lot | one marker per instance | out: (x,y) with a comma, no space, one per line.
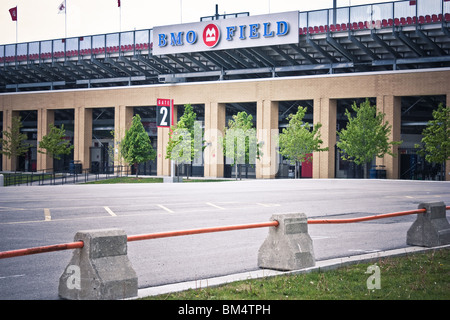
(46,215)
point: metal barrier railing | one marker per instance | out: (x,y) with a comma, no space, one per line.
(137,41)
(49,176)
(80,244)
(374,217)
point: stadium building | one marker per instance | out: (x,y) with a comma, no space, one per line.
(396,54)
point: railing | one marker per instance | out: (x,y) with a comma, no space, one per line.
(72,175)
(79,244)
(379,15)
(368,218)
(390,14)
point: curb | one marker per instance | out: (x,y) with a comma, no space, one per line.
(323,265)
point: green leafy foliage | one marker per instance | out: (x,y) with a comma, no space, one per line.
(136,146)
(186,138)
(436,137)
(366,136)
(13,141)
(297,142)
(239,143)
(54,144)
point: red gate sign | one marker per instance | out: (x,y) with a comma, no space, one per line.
(163,102)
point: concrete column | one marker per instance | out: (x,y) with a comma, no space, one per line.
(45,118)
(163,166)
(83,136)
(9,164)
(447,163)
(391,107)
(324,162)
(123,116)
(267,133)
(214,127)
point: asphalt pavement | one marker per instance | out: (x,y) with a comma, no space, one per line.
(45,215)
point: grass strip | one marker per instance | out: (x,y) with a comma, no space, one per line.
(145,180)
(421,276)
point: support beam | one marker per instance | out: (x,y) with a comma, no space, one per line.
(325,113)
(214,127)
(267,133)
(123,116)
(9,164)
(163,165)
(391,106)
(45,118)
(447,163)
(83,136)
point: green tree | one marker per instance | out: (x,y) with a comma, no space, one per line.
(54,144)
(436,138)
(136,146)
(185,139)
(240,145)
(13,141)
(365,136)
(297,141)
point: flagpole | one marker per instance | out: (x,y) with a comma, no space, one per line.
(17,24)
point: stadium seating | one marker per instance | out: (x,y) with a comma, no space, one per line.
(320,29)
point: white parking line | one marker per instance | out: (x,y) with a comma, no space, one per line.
(110,211)
(215,206)
(13,276)
(320,237)
(47,216)
(165,208)
(268,205)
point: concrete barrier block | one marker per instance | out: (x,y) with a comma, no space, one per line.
(100,270)
(177,179)
(430,229)
(288,246)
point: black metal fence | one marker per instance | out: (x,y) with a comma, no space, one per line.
(72,175)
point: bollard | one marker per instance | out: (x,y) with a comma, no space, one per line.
(430,229)
(288,246)
(101,269)
(2,184)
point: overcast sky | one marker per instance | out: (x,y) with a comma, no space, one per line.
(39,19)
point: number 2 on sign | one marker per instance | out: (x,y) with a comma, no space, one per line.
(163,112)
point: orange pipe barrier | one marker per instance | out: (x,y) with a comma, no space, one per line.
(56,247)
(379,216)
(203,230)
(79,244)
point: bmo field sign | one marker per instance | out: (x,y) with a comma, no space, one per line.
(244,32)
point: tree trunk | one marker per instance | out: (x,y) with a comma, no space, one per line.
(136,167)
(366,165)
(186,166)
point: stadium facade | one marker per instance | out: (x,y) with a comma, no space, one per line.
(395,54)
